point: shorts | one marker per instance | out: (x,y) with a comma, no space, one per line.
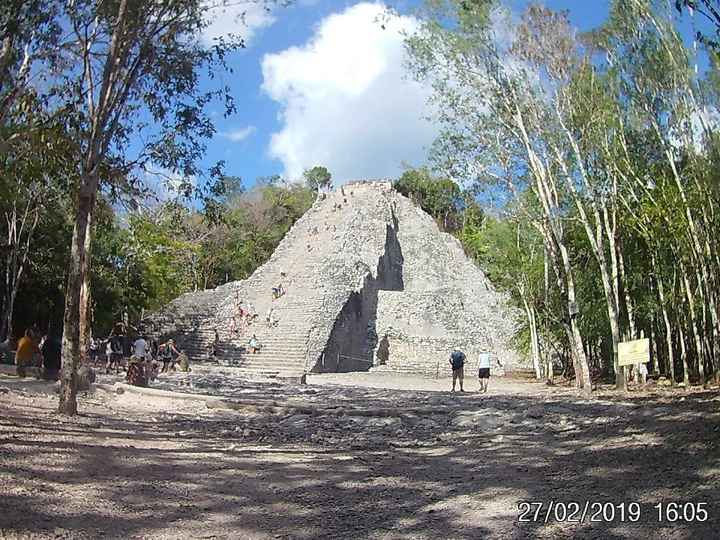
(484,373)
(457,374)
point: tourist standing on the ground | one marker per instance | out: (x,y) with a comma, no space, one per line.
(93,350)
(140,348)
(108,354)
(642,371)
(168,354)
(115,346)
(457,363)
(484,370)
(51,350)
(127,343)
(26,349)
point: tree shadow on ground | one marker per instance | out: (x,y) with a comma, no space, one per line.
(142,478)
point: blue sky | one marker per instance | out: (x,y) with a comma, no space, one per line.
(327,83)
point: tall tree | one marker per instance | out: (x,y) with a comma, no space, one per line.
(317,178)
(139,73)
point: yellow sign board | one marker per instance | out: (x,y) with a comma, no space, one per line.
(634,352)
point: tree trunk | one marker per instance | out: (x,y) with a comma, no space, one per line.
(8,310)
(626,290)
(683,353)
(78,266)
(668,339)
(668,329)
(654,356)
(85,323)
(538,368)
(535,344)
(693,324)
(582,371)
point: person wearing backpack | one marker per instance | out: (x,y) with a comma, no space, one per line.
(457,363)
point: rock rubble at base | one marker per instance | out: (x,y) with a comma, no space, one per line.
(343,417)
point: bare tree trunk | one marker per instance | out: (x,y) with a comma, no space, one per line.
(668,326)
(693,324)
(76,276)
(6,331)
(618,273)
(654,356)
(582,371)
(534,343)
(683,353)
(85,295)
(538,367)
(626,290)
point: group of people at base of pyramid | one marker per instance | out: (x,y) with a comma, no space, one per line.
(142,358)
(457,364)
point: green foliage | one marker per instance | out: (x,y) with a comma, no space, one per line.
(158,255)
(440,197)
(317,178)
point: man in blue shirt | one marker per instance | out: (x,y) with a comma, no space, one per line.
(457,362)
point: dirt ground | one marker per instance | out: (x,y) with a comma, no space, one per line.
(354,456)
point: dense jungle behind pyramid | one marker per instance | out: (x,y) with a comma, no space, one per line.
(365,280)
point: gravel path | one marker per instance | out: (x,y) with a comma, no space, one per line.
(350,456)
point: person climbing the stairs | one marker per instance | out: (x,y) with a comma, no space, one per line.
(213,351)
(270,318)
(254,345)
(278,291)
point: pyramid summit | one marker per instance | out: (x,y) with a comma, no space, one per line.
(365,280)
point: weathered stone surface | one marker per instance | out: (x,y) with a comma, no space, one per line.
(370,282)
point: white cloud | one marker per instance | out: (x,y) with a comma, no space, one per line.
(240,18)
(347,103)
(237,135)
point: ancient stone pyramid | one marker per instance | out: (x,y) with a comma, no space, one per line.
(370,283)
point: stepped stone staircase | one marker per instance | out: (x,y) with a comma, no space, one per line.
(370,281)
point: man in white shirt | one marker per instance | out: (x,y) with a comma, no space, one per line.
(484,370)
